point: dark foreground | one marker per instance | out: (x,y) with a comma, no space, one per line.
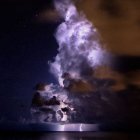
(69,136)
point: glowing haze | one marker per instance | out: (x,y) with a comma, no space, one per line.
(79,44)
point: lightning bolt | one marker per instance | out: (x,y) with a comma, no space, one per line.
(80,129)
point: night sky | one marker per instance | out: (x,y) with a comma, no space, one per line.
(26,47)
(27,43)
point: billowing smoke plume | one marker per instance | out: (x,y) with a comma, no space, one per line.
(79,45)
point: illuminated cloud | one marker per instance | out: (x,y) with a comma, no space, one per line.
(133,78)
(82,69)
(48,15)
(79,44)
(117,21)
(107,74)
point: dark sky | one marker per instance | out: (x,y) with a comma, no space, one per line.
(26,46)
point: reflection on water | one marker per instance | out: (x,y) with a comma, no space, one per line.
(69,136)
